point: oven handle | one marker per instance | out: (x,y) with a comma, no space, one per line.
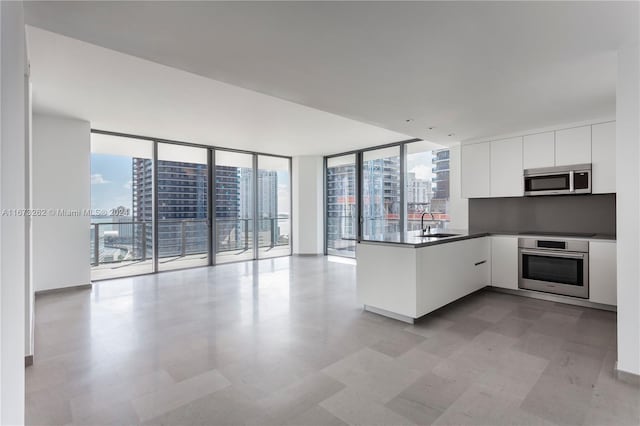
(571,184)
(549,253)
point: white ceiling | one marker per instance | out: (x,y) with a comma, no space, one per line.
(475,69)
(122,93)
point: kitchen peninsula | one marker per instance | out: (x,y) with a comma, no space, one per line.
(406,278)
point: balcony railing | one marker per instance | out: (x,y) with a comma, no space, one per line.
(113,242)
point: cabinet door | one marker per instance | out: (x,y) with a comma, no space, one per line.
(602,272)
(539,150)
(573,146)
(504,262)
(506,168)
(603,157)
(475,165)
(481,254)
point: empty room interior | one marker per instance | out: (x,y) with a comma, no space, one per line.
(320,213)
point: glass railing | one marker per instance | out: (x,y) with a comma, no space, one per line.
(120,241)
(132,241)
(237,234)
(341,235)
(182,237)
(381,228)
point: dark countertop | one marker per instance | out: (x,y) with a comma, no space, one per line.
(413,240)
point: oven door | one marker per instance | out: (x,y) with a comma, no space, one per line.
(548,184)
(565,273)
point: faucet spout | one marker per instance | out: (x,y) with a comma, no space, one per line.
(422,228)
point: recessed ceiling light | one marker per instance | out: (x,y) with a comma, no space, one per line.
(408,120)
(430,128)
(451,134)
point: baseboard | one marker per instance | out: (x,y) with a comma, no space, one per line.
(389,314)
(554,298)
(63,289)
(308,254)
(627,377)
(28,360)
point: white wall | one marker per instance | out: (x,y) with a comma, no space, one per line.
(12,228)
(628,208)
(458,206)
(308,205)
(60,180)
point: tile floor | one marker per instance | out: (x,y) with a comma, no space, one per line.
(283,341)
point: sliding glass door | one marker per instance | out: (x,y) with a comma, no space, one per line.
(182,203)
(234,206)
(121,234)
(160,205)
(342,212)
(381,194)
(273,207)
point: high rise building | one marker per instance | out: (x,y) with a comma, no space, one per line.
(381,196)
(182,206)
(341,206)
(142,207)
(232,212)
(440,170)
(419,193)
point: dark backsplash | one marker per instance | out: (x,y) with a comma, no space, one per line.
(595,213)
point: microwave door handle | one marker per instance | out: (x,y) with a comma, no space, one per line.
(551,253)
(571,184)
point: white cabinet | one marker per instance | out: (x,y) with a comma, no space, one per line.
(573,146)
(506,168)
(449,271)
(475,173)
(603,153)
(405,282)
(602,272)
(539,150)
(504,262)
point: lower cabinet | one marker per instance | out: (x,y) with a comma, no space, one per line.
(602,272)
(447,272)
(504,262)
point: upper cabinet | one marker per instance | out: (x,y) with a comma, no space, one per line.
(603,152)
(539,150)
(506,168)
(495,169)
(573,146)
(475,170)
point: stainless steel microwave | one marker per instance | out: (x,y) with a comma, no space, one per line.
(575,179)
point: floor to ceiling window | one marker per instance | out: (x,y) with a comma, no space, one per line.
(427,185)
(274,206)
(342,212)
(182,203)
(121,238)
(162,205)
(234,189)
(382,193)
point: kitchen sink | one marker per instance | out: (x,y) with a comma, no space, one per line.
(438,235)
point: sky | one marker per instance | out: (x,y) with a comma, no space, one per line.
(110,181)
(420,164)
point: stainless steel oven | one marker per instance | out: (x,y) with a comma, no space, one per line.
(574,179)
(554,266)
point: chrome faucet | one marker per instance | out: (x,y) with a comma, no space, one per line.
(424,230)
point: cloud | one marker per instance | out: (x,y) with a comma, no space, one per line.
(128,184)
(422,172)
(97,179)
